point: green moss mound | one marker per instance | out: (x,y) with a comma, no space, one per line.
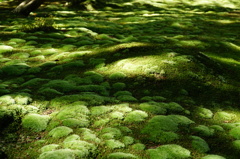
(235,132)
(199,144)
(60,85)
(204,113)
(60,131)
(153,107)
(50,147)
(213,157)
(58,154)
(236,144)
(203,130)
(171,151)
(136,116)
(121,155)
(224,116)
(138,147)
(114,144)
(35,122)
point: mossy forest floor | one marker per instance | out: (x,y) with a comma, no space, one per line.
(140,79)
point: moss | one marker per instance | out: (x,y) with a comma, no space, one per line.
(121,155)
(116,115)
(158,98)
(73,137)
(60,131)
(128,140)
(94,76)
(114,144)
(122,107)
(14,70)
(126,98)
(203,130)
(5,48)
(50,147)
(7,99)
(93,88)
(217,128)
(89,135)
(96,61)
(35,122)
(171,151)
(75,123)
(101,122)
(213,157)
(60,85)
(181,120)
(174,107)
(153,107)
(58,154)
(73,65)
(204,113)
(77,80)
(236,144)
(119,86)
(116,133)
(138,147)
(121,93)
(34,70)
(99,110)
(117,76)
(199,144)
(49,92)
(136,116)
(71,111)
(223,116)
(34,82)
(235,132)
(22,98)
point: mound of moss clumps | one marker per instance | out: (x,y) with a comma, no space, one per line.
(50,147)
(153,107)
(58,154)
(235,132)
(60,85)
(171,151)
(213,157)
(136,116)
(224,116)
(199,144)
(204,113)
(203,130)
(14,70)
(60,131)
(35,122)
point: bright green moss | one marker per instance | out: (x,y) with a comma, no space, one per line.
(117,76)
(121,93)
(89,135)
(99,110)
(35,122)
(7,99)
(74,123)
(236,144)
(73,137)
(22,98)
(153,107)
(77,80)
(203,130)
(114,144)
(60,131)
(77,111)
(181,120)
(213,157)
(116,133)
(217,128)
(128,140)
(116,115)
(199,144)
(94,76)
(121,155)
(122,107)
(50,147)
(174,107)
(118,86)
(138,147)
(93,88)
(58,154)
(136,116)
(5,48)
(127,98)
(171,151)
(101,122)
(235,132)
(223,116)
(204,113)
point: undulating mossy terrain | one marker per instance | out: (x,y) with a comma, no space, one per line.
(153,79)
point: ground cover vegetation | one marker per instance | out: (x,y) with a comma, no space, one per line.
(152,79)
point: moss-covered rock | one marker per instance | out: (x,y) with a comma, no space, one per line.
(35,122)
(199,144)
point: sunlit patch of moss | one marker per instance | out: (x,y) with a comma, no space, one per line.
(50,147)
(60,131)
(99,110)
(22,98)
(235,132)
(115,132)
(34,70)
(58,154)
(171,151)
(153,107)
(21,55)
(116,115)
(72,137)
(136,116)
(199,144)
(203,130)
(213,157)
(117,76)
(101,122)
(114,144)
(73,123)
(204,113)
(138,147)
(73,111)
(35,122)
(7,99)
(121,155)
(230,125)
(5,48)
(224,116)
(89,135)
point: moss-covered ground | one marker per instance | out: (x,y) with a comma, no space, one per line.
(152,79)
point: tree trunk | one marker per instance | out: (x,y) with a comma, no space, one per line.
(27,6)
